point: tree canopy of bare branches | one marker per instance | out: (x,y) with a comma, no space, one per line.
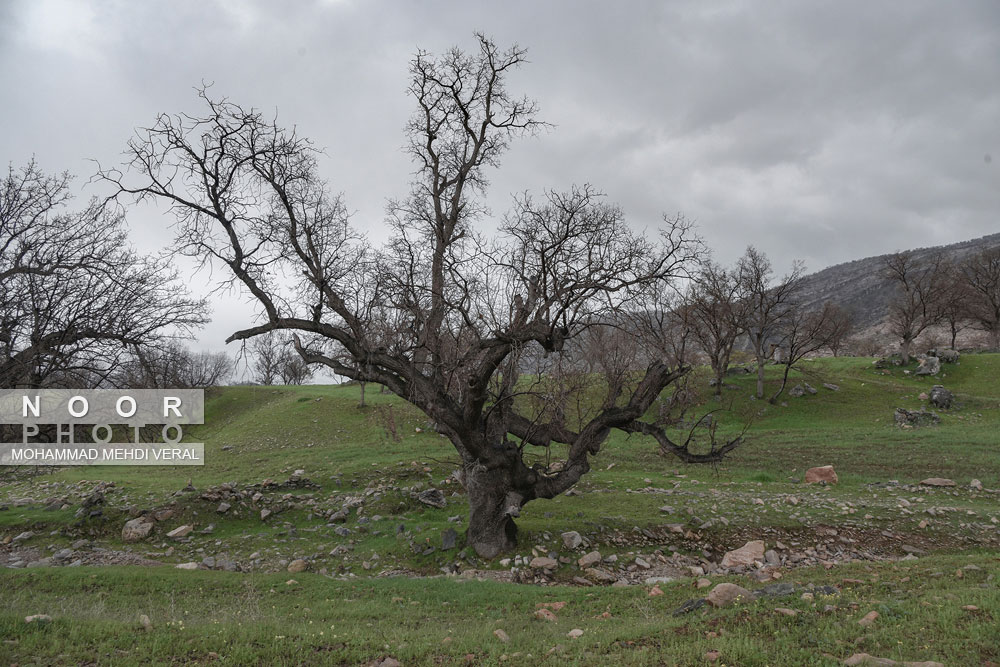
(982,280)
(769,305)
(921,291)
(73,297)
(462,324)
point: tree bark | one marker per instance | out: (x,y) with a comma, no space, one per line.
(904,350)
(760,376)
(493,504)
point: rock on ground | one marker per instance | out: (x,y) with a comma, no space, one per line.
(821,474)
(137,529)
(572,539)
(745,555)
(937,481)
(726,594)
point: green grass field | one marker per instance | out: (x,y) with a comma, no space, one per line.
(382,592)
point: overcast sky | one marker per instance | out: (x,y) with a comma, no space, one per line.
(819,131)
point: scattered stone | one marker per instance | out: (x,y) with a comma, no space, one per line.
(937,481)
(448,539)
(779,591)
(948,356)
(600,575)
(575,633)
(545,615)
(726,594)
(831,386)
(784,611)
(941,397)
(38,618)
(137,529)
(655,591)
(223,508)
(821,474)
(915,418)
(187,566)
(571,539)
(264,513)
(433,498)
(501,635)
(589,560)
(22,537)
(928,366)
(689,606)
(298,565)
(712,656)
(745,555)
(976,485)
(868,619)
(797,391)
(146,624)
(180,531)
(703,583)
(543,563)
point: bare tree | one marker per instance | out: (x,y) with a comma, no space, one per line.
(838,325)
(920,295)
(768,305)
(442,315)
(173,366)
(802,332)
(717,307)
(73,297)
(266,359)
(982,279)
(292,369)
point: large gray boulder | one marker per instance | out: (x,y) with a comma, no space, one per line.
(137,529)
(941,397)
(948,356)
(929,366)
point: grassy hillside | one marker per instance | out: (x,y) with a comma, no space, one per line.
(634,503)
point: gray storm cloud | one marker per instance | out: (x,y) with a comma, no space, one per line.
(819,131)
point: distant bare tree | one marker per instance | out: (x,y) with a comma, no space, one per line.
(717,309)
(921,289)
(266,359)
(768,305)
(293,369)
(173,366)
(957,302)
(982,278)
(444,316)
(838,324)
(73,297)
(803,332)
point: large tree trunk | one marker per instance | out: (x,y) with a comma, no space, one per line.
(904,350)
(493,504)
(760,375)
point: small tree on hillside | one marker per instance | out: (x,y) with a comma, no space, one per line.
(768,305)
(981,274)
(801,333)
(838,325)
(266,359)
(717,310)
(443,315)
(921,290)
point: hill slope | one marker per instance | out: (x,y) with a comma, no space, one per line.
(860,287)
